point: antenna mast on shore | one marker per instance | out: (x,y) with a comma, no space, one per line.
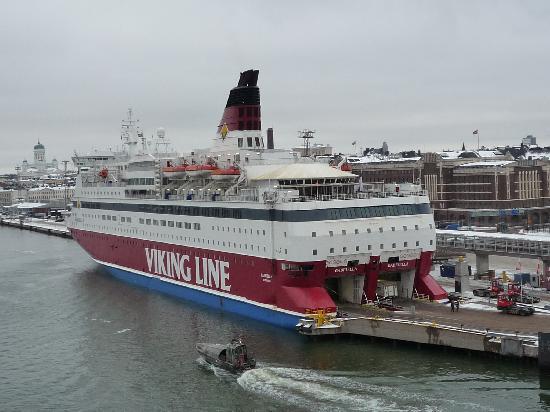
(306,134)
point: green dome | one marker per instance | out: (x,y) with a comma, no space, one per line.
(38,146)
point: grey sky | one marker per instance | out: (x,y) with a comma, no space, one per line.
(417,74)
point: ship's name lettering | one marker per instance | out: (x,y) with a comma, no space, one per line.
(212,273)
(345,269)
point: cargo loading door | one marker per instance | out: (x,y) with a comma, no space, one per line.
(346,289)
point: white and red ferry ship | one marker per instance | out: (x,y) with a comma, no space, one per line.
(245,227)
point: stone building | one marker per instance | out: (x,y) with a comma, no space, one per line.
(472,189)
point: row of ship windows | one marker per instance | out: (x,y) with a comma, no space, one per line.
(197,226)
(369,247)
(380,229)
(179,225)
(242,246)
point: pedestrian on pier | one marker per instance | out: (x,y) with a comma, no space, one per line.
(452,305)
(457,305)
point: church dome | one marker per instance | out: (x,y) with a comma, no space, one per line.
(38,146)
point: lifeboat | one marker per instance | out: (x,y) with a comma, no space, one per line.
(174,171)
(226,174)
(200,170)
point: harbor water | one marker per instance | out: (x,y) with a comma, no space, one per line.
(73,338)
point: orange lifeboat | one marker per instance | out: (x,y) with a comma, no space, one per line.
(200,170)
(174,171)
(226,174)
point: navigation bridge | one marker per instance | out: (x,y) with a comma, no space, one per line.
(483,244)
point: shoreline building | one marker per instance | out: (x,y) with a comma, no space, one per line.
(40,165)
(478,188)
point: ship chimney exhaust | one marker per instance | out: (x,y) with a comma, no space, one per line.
(270,143)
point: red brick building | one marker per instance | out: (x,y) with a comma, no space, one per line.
(471,189)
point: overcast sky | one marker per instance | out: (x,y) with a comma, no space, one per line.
(416,74)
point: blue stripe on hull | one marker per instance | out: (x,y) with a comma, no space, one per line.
(262,314)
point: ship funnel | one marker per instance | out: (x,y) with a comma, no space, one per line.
(242,111)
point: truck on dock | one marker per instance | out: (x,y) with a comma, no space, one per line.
(507,305)
(516,294)
(492,291)
(513,291)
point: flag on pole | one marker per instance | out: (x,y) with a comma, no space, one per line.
(475,131)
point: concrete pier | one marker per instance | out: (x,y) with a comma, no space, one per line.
(50,228)
(512,345)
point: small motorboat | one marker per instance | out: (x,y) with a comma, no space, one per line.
(233,357)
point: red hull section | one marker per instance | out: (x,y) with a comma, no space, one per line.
(252,278)
(298,288)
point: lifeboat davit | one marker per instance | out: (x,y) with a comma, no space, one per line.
(226,174)
(199,170)
(174,171)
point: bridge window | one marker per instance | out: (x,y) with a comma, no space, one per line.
(417,243)
(393,245)
(415,227)
(405,244)
(431,242)
(381,246)
(344,249)
(314,252)
(404,228)
(330,233)
(331,250)
(313,234)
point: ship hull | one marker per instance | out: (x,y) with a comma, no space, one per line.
(234,305)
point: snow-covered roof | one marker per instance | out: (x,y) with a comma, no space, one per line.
(300,171)
(488,163)
(381,159)
(488,153)
(28,205)
(450,154)
(537,155)
(455,154)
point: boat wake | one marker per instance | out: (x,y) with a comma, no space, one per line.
(218,372)
(314,390)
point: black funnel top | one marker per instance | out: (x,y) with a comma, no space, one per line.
(247,92)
